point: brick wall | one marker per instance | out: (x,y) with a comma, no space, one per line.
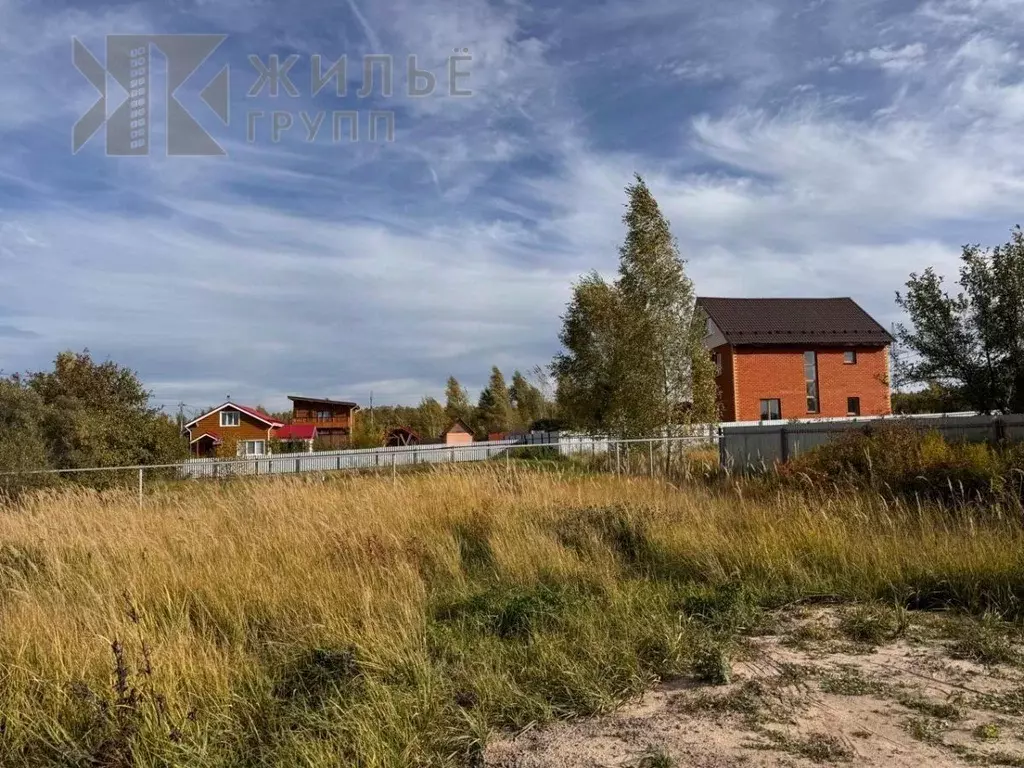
(778,373)
(725,382)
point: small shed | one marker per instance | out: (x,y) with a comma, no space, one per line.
(401,436)
(458,433)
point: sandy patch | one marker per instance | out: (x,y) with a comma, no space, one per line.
(806,695)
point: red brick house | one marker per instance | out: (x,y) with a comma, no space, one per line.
(797,358)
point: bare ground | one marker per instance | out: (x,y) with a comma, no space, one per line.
(816,691)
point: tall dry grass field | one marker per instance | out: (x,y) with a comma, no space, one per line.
(370,621)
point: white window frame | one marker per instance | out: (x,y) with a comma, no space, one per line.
(237,418)
(850,357)
(778,416)
(243,447)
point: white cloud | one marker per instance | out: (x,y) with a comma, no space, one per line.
(339,270)
(889,58)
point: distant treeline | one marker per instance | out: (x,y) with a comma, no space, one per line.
(528,403)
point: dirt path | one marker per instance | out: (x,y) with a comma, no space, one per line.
(808,694)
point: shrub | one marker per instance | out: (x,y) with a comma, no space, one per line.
(900,460)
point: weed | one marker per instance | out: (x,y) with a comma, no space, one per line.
(987,732)
(711,663)
(728,607)
(623,531)
(925,729)
(874,624)
(1006,703)
(944,710)
(656,758)
(820,747)
(475,550)
(849,681)
(749,699)
(318,674)
(983,642)
(508,612)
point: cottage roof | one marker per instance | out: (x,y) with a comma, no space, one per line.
(830,321)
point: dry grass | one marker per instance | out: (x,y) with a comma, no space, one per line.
(354,620)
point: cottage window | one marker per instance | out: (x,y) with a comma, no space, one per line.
(771,410)
(230,418)
(252,448)
(850,357)
(324,415)
(718,363)
(811,377)
(853,406)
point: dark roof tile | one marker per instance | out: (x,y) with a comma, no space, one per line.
(839,321)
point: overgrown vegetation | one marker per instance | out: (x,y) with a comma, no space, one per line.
(900,461)
(80,414)
(368,621)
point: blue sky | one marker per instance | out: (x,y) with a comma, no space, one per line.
(798,148)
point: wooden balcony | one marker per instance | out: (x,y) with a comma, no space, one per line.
(338,422)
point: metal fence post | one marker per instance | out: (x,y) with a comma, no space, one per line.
(140,487)
(650,446)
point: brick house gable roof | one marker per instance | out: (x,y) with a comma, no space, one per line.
(833,321)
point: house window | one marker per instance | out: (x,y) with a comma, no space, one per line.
(230,418)
(717,356)
(252,448)
(771,410)
(811,377)
(853,406)
(324,416)
(850,357)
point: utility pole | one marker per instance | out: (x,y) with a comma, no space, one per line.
(371,413)
(181,416)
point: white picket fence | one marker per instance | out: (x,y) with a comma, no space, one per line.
(401,456)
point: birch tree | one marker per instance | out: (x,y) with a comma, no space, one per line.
(634,363)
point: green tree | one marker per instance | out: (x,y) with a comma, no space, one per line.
(22,447)
(430,419)
(634,361)
(457,405)
(972,341)
(99,414)
(587,371)
(494,411)
(933,398)
(668,377)
(527,401)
